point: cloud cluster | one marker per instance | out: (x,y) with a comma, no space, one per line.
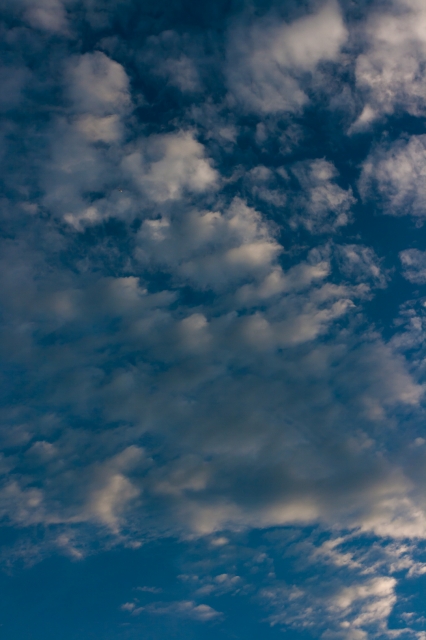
(351,591)
(188,330)
(170,367)
(356,610)
(239,380)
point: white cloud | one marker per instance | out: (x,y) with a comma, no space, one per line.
(150,589)
(169,165)
(76,168)
(210,248)
(351,591)
(183,608)
(360,264)
(321,206)
(47,15)
(22,505)
(397,172)
(263,185)
(79,177)
(103,129)
(241,356)
(380,558)
(111,499)
(277,281)
(389,73)
(351,612)
(414,265)
(266,60)
(98,85)
(219,584)
(370,603)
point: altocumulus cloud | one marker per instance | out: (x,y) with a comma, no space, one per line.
(207,328)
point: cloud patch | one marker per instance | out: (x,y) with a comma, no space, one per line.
(268,60)
(396,173)
(389,72)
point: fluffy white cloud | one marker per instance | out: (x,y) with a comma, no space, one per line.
(77,168)
(98,85)
(397,172)
(80,178)
(166,166)
(111,491)
(210,248)
(266,60)
(390,71)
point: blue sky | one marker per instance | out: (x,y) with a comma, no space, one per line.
(212,323)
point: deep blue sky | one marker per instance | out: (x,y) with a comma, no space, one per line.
(213,296)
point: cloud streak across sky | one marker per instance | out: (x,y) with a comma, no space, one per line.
(212,307)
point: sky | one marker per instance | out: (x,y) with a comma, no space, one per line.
(213,299)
